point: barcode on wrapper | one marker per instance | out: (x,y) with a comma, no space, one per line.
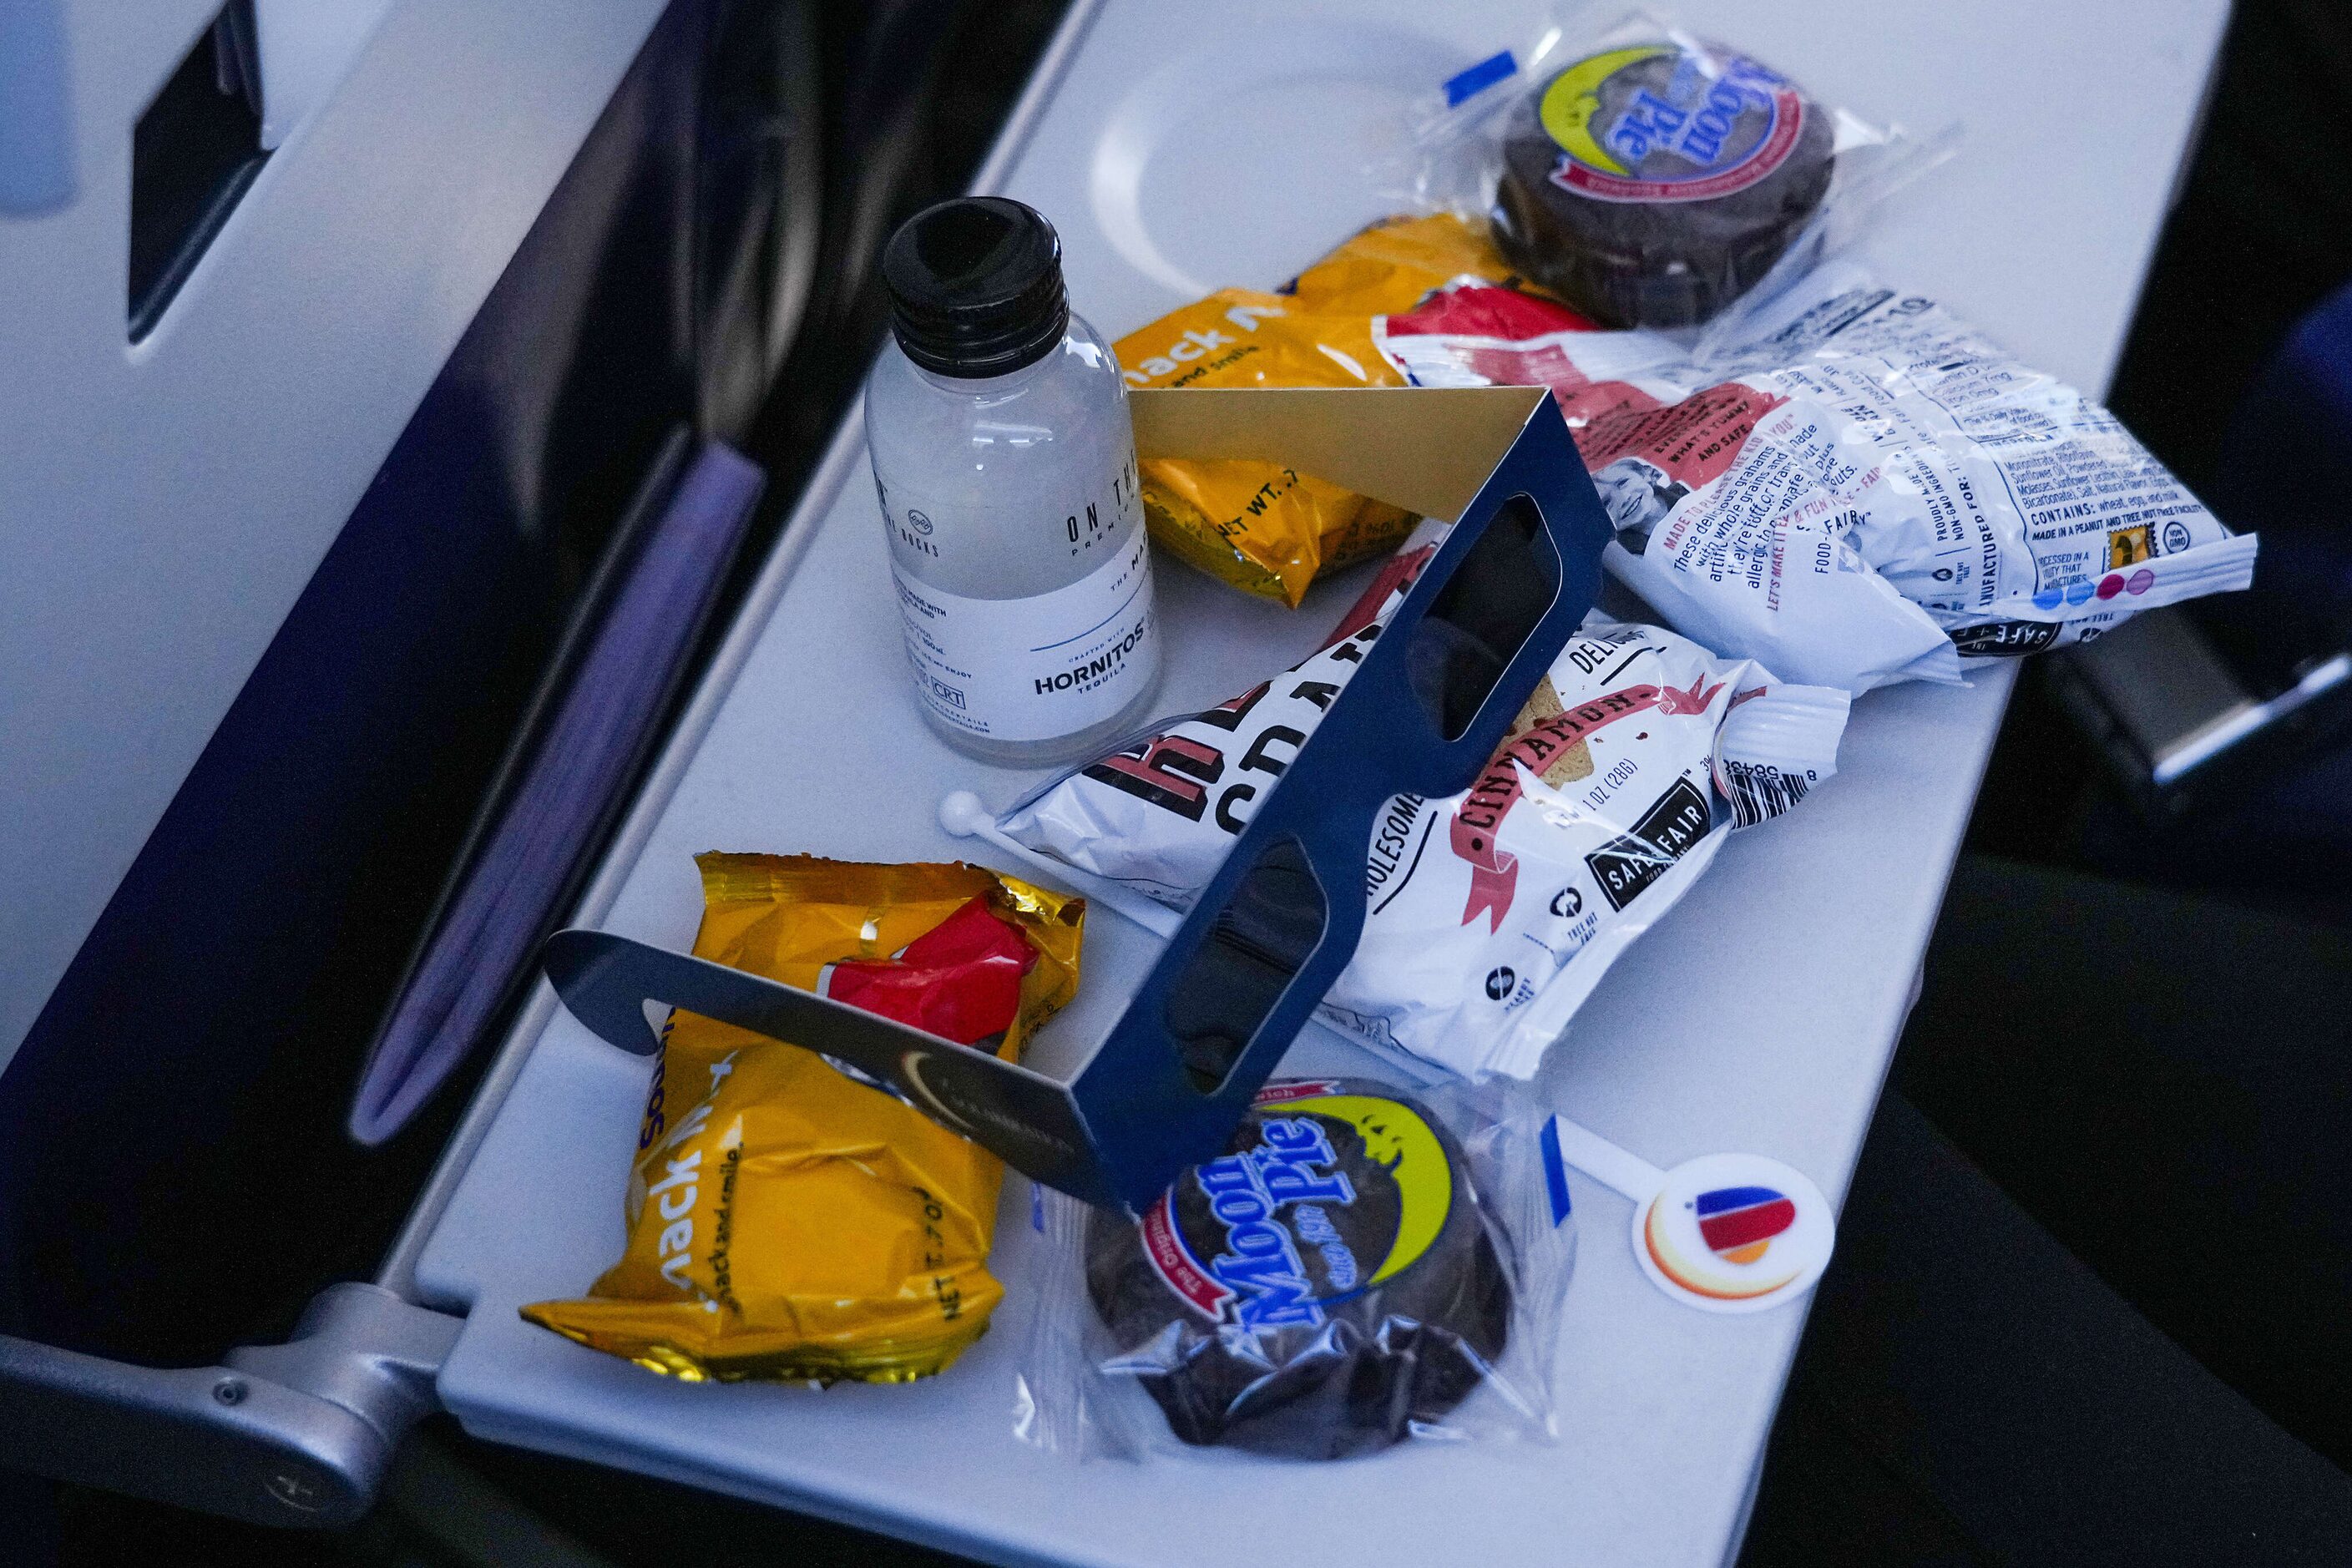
(1759,791)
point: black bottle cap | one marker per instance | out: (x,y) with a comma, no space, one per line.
(976,286)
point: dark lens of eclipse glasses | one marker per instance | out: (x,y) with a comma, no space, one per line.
(1265,932)
(1259,943)
(1482,616)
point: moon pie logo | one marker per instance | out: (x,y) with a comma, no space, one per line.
(1733,1233)
(1324,1196)
(1658,122)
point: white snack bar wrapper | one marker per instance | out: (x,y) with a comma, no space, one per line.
(1491,914)
(1158,813)
(1866,492)
(1494,913)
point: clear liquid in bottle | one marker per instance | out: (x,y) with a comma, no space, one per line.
(1004,461)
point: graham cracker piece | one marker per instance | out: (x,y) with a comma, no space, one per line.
(1576,763)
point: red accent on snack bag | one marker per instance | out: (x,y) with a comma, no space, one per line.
(961,980)
(1487,310)
(1504,338)
(1477,822)
(1174,772)
(1692,441)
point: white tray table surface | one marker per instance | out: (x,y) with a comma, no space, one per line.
(1185,147)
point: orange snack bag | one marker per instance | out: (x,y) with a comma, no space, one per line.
(785,1221)
(1261,526)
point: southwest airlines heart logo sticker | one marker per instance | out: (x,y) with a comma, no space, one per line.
(1725,1233)
(1733,1232)
(1740,1223)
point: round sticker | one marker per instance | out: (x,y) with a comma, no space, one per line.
(1733,1233)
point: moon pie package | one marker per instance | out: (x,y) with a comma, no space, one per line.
(1364,1264)
(1647,176)
(784,1220)
(1491,914)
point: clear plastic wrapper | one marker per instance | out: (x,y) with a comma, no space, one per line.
(1367,1265)
(1864,490)
(1491,914)
(1648,175)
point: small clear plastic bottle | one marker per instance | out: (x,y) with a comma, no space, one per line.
(1005,464)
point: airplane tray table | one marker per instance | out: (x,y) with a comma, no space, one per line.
(1179,149)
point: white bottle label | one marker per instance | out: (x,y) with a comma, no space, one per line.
(1039,667)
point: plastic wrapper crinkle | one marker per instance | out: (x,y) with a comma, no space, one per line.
(1865,491)
(1649,176)
(1494,913)
(786,1221)
(1365,1265)
(1261,526)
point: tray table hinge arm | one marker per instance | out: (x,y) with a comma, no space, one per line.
(297,1434)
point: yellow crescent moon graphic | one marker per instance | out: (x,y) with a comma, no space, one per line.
(1574,97)
(1396,1138)
(911,1063)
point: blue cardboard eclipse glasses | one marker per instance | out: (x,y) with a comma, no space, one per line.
(1274,928)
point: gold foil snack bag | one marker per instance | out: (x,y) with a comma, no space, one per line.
(785,1221)
(1261,526)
